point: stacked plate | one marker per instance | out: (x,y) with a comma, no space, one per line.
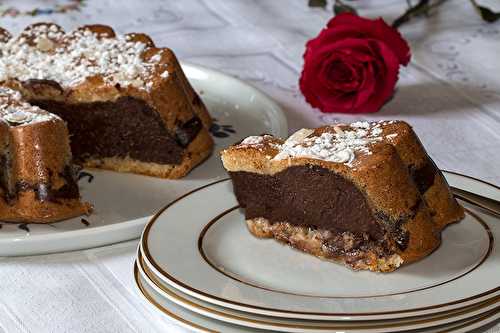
(199,265)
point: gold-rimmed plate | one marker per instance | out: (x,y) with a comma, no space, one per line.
(207,253)
(199,323)
(301,326)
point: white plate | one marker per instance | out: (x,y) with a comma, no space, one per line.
(199,323)
(125,202)
(300,326)
(211,256)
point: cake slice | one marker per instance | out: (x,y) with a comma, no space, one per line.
(365,194)
(127,104)
(38,182)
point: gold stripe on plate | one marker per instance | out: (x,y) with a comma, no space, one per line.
(162,309)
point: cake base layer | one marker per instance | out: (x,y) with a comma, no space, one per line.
(197,151)
(323,213)
(28,209)
(353,250)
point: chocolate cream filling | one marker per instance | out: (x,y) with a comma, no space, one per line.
(125,127)
(306,196)
(315,197)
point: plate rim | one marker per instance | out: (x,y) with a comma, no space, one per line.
(475,322)
(179,320)
(274,312)
(446,316)
(472,178)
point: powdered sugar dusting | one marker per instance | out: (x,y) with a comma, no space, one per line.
(252,140)
(391,136)
(361,124)
(376,131)
(45,52)
(15,112)
(339,145)
(7,95)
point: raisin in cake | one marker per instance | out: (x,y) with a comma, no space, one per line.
(364,194)
(37,178)
(127,104)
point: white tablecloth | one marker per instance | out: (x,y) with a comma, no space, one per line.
(450,93)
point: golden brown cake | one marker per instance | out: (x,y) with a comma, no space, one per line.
(365,194)
(118,102)
(127,104)
(37,179)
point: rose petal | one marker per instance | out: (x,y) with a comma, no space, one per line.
(367,86)
(350,25)
(339,73)
(387,77)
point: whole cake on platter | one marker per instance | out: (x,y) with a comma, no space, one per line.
(96,99)
(364,194)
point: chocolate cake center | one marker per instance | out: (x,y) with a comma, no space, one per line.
(306,196)
(125,127)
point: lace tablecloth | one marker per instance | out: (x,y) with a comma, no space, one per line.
(450,93)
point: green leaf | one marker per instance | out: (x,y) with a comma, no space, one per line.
(486,14)
(340,7)
(317,3)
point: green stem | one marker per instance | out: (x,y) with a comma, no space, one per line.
(423,7)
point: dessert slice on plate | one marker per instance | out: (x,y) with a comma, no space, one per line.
(364,194)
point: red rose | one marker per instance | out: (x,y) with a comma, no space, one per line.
(352,65)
